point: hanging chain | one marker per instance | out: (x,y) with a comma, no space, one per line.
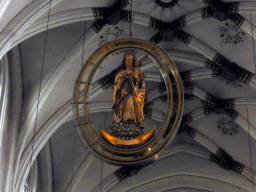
(40,83)
(75,124)
(131,20)
(253,43)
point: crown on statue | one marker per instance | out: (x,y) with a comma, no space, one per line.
(130,53)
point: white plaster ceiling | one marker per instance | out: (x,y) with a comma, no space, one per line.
(73,164)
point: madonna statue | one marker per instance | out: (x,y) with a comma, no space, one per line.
(128,100)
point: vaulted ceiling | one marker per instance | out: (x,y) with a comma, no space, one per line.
(45,45)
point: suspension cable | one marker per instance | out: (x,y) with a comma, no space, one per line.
(40,83)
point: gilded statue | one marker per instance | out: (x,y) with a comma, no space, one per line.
(128,100)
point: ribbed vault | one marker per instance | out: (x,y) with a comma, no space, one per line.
(210,42)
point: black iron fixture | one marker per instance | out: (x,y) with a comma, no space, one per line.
(172,3)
